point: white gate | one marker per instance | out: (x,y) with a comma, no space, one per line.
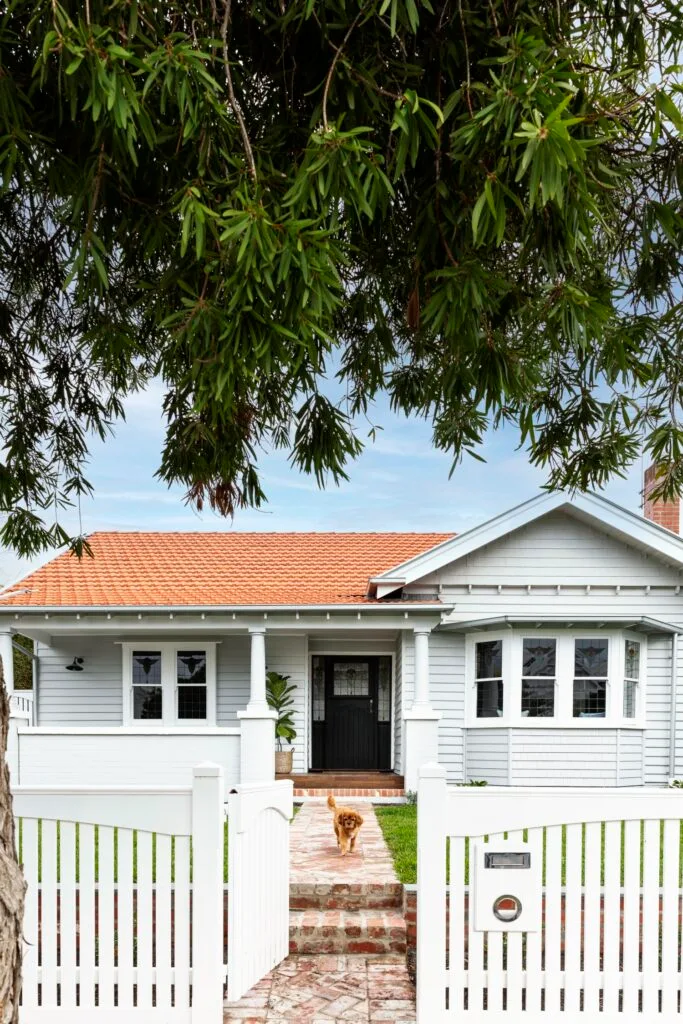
(124,905)
(258,898)
(607,946)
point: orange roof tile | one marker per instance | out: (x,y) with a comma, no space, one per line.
(142,570)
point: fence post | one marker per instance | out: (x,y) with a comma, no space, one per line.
(432,798)
(208,971)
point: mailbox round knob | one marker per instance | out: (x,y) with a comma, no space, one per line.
(507,908)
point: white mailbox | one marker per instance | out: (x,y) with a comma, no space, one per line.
(507,885)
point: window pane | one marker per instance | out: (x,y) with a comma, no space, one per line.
(632,652)
(192,702)
(489,656)
(538,657)
(590,698)
(191,668)
(146,702)
(318,689)
(630,698)
(538,699)
(384,691)
(351,679)
(490,699)
(146,668)
(590,658)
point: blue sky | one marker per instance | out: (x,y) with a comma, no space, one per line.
(399,483)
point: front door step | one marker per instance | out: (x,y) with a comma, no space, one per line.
(347,931)
(345,895)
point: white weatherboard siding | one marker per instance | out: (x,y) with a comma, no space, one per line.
(90,697)
(577,757)
(123,757)
(233,655)
(287,655)
(488,756)
(557,547)
(658,710)
(446,692)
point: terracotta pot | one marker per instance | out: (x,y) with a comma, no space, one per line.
(283,762)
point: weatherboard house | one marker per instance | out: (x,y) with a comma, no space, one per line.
(540,648)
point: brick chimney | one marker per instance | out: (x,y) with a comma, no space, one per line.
(665,513)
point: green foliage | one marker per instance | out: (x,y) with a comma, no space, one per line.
(279,694)
(23,667)
(472,208)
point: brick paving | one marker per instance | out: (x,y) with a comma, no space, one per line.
(325,989)
(315,857)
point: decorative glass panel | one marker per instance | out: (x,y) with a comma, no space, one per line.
(192,702)
(490,699)
(590,658)
(384,691)
(590,698)
(147,693)
(632,659)
(630,698)
(538,657)
(146,668)
(351,679)
(318,689)
(489,657)
(538,698)
(191,668)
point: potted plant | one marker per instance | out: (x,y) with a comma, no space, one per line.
(279,696)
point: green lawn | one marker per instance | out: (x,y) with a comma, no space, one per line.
(399,825)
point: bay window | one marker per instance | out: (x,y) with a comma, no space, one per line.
(169,684)
(557,677)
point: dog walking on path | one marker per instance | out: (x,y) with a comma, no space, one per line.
(347,823)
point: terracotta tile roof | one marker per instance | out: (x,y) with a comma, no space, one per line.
(212,569)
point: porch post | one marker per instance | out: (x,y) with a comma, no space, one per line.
(7,655)
(421,723)
(257,721)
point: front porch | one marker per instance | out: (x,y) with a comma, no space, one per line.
(130,701)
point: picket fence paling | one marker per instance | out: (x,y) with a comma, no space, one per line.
(605,913)
(109,904)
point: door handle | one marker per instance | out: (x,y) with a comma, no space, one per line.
(372,706)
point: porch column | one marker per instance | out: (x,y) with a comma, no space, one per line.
(421,723)
(257,721)
(7,656)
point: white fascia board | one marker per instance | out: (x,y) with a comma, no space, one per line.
(245,609)
(631,527)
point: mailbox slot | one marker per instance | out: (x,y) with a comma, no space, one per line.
(507,885)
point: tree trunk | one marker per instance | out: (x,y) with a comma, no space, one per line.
(12,885)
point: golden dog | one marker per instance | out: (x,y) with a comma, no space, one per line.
(347,823)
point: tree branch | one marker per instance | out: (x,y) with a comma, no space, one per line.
(333,65)
(236,109)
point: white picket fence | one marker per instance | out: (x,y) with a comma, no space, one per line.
(124,912)
(607,946)
(258,907)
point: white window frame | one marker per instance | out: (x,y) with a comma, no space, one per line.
(564,680)
(169,683)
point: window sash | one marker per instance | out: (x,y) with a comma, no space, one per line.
(175,692)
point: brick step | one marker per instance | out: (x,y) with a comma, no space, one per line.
(345,895)
(358,794)
(347,780)
(347,931)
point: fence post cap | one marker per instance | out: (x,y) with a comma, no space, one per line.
(431,770)
(207,770)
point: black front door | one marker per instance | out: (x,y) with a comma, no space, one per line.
(351,729)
